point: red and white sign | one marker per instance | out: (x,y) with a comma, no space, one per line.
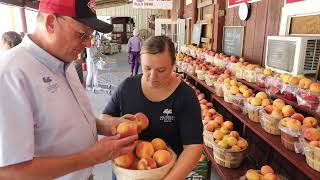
(152,4)
(292,1)
(233,3)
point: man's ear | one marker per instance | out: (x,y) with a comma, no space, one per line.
(50,23)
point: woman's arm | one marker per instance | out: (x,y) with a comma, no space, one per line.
(186,162)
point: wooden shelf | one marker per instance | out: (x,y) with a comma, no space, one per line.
(224,173)
(297,160)
(292,103)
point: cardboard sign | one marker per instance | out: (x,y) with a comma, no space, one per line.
(233,3)
(152,4)
(292,1)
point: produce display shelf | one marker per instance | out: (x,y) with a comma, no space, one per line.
(297,160)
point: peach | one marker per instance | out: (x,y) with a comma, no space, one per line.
(266,169)
(158,144)
(252,175)
(265,102)
(293,81)
(125,161)
(213,111)
(223,144)
(209,105)
(313,143)
(224,130)
(256,101)
(242,143)
(235,148)
(218,135)
(134,165)
(315,87)
(243,88)
(228,124)
(287,111)
(278,103)
(212,125)
(276,113)
(203,101)
(162,157)
(294,124)
(142,121)
(267,72)
(203,107)
(305,83)
(261,95)
(219,119)
(285,78)
(284,121)
(144,149)
(269,176)
(126,129)
(147,164)
(310,122)
(234,134)
(298,116)
(312,134)
(234,90)
(268,109)
(247,93)
(231,141)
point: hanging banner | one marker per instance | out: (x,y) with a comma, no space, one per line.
(152,4)
(234,3)
(292,1)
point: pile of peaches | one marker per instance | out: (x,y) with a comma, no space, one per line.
(265,173)
(148,155)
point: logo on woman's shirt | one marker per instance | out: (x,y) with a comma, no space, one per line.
(167,116)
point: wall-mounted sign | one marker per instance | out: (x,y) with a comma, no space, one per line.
(233,40)
(152,4)
(233,3)
(292,1)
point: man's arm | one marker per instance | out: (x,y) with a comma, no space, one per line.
(186,162)
(43,168)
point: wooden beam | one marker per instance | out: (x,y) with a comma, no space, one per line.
(219,18)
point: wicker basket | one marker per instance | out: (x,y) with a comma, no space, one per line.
(250,75)
(237,102)
(228,158)
(153,174)
(210,79)
(253,111)
(239,71)
(201,74)
(287,139)
(218,89)
(226,95)
(208,138)
(312,155)
(269,123)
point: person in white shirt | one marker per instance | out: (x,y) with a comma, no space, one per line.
(47,127)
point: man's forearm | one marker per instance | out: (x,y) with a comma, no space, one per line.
(43,168)
(186,162)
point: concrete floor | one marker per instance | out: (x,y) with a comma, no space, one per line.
(118,71)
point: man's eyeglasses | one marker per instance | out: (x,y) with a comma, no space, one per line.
(82,35)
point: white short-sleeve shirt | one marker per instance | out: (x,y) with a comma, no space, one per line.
(44,110)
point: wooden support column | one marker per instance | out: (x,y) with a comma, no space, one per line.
(219,18)
(23,20)
(194,16)
(181,9)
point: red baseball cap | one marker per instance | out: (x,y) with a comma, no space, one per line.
(80,10)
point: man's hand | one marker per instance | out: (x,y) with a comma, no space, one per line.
(107,125)
(111,147)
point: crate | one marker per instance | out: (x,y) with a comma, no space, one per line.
(200,171)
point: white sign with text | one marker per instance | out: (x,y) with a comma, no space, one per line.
(152,4)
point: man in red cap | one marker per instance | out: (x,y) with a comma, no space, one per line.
(47,127)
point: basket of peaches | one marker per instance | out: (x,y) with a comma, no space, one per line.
(265,173)
(254,104)
(308,94)
(310,146)
(262,74)
(212,75)
(292,128)
(150,160)
(239,93)
(229,149)
(289,87)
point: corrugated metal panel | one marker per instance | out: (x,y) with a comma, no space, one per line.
(140,15)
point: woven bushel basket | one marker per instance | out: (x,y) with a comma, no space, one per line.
(269,124)
(287,140)
(228,158)
(312,156)
(153,174)
(208,138)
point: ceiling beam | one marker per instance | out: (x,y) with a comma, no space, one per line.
(111,4)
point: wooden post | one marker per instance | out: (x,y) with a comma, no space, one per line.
(194,16)
(23,20)
(219,18)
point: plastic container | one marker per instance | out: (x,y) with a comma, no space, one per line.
(269,124)
(210,79)
(250,75)
(227,157)
(253,111)
(260,80)
(239,71)
(308,99)
(289,92)
(153,174)
(272,85)
(226,94)
(232,67)
(218,89)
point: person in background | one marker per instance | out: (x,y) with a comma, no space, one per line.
(170,104)
(9,40)
(47,127)
(93,56)
(134,48)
